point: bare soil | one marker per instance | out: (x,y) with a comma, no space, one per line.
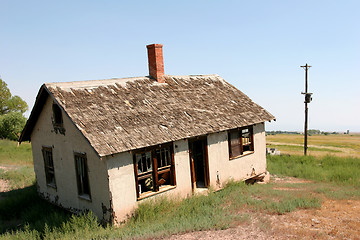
(336,219)
(4,185)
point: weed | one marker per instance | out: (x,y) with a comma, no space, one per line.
(328,169)
(18,177)
(24,206)
(12,154)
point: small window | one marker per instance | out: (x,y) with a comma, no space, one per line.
(49,166)
(154,170)
(241,141)
(57,119)
(82,175)
(57,115)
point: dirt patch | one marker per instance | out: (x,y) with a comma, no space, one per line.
(4,185)
(276,179)
(336,219)
(245,231)
(288,189)
(340,151)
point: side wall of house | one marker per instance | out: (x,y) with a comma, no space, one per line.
(122,180)
(222,169)
(63,147)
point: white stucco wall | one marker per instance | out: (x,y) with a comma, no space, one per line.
(63,148)
(240,168)
(122,180)
(122,177)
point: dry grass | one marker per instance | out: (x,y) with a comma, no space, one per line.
(340,145)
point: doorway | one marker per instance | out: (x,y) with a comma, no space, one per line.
(199,163)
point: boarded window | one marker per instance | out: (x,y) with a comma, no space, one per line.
(241,141)
(49,166)
(82,175)
(154,170)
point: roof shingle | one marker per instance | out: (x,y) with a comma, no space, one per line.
(118,115)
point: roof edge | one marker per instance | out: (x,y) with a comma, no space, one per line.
(44,92)
(35,112)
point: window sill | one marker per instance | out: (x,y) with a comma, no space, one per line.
(150,193)
(52,185)
(244,154)
(85,197)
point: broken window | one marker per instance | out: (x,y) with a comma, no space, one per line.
(154,170)
(57,119)
(49,166)
(241,141)
(82,175)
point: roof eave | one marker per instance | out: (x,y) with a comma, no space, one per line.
(34,115)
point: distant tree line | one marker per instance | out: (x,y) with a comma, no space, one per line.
(12,108)
(280,132)
(310,132)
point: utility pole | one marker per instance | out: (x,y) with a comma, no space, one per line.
(308,99)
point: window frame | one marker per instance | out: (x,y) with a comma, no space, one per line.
(57,119)
(49,166)
(240,134)
(155,172)
(83,183)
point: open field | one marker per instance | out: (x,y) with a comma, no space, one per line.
(341,145)
(16,165)
(322,202)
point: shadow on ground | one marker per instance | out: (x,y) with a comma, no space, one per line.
(23,207)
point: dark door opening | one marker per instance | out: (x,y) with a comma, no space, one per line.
(199,163)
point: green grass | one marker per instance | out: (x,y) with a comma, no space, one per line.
(17,164)
(24,206)
(18,177)
(24,215)
(154,218)
(339,170)
(11,154)
(348,145)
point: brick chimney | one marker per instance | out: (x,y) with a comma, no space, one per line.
(156,62)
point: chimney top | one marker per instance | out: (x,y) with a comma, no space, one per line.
(156,62)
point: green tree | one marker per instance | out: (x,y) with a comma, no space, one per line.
(12,109)
(10,103)
(11,125)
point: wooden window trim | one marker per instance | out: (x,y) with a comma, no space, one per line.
(239,133)
(49,170)
(57,119)
(155,172)
(81,193)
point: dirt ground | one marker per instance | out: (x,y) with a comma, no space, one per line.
(336,219)
(4,186)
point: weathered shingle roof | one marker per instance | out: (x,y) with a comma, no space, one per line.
(118,115)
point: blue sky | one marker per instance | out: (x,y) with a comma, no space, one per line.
(258,46)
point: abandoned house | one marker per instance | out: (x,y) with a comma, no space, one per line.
(106,145)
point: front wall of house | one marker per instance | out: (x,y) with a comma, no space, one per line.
(121,183)
(222,169)
(122,180)
(63,148)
